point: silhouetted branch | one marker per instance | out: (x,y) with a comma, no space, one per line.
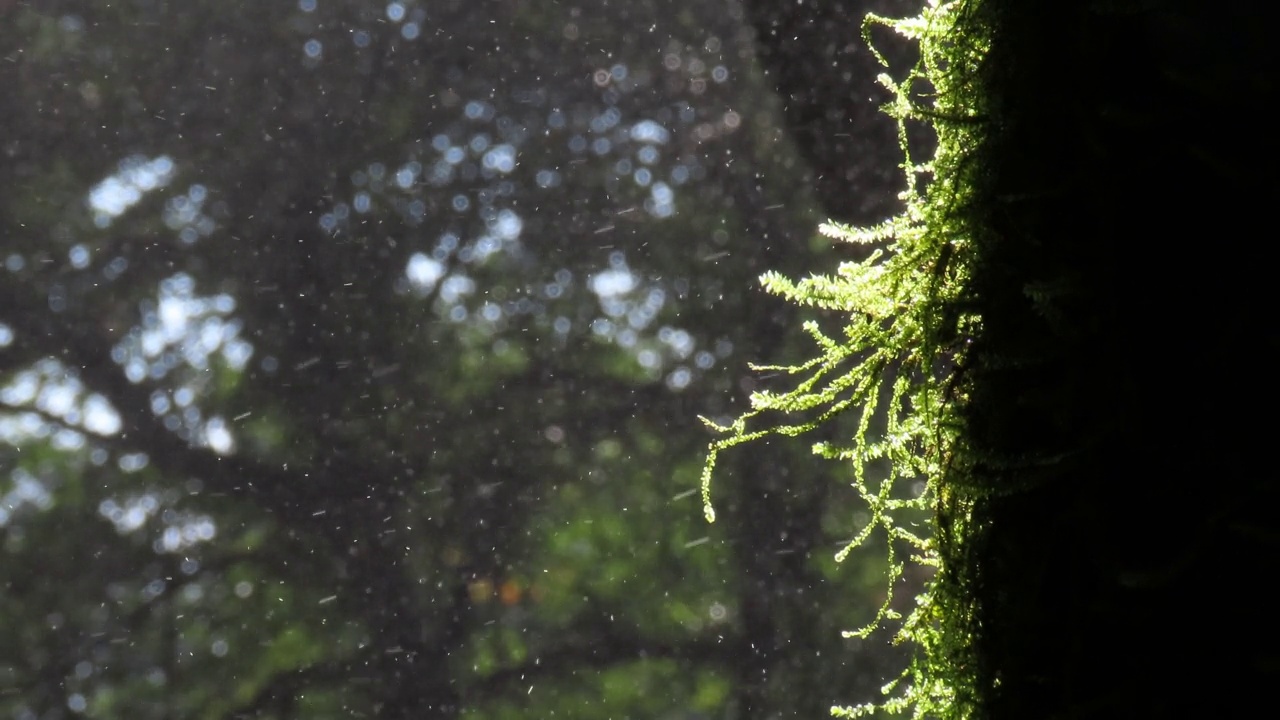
(74,340)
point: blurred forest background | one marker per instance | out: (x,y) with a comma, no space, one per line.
(351,355)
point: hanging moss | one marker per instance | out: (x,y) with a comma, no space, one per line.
(898,357)
(1079,406)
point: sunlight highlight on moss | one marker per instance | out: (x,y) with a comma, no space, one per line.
(897,355)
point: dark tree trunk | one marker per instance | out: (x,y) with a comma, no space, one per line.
(1116,414)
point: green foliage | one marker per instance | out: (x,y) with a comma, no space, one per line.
(896,361)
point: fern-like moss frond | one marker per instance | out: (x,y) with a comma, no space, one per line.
(903,339)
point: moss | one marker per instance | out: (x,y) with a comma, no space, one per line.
(1081,408)
(896,359)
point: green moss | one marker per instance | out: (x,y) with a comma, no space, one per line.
(895,365)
